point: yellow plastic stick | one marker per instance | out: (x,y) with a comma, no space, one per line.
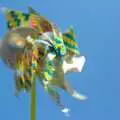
(33,101)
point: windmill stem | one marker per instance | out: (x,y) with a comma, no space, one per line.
(33,101)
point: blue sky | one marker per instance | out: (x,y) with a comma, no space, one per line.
(97,24)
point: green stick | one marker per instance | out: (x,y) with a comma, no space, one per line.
(33,101)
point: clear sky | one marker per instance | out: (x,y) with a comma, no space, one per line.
(97,24)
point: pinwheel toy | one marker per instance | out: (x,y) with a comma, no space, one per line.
(35,48)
